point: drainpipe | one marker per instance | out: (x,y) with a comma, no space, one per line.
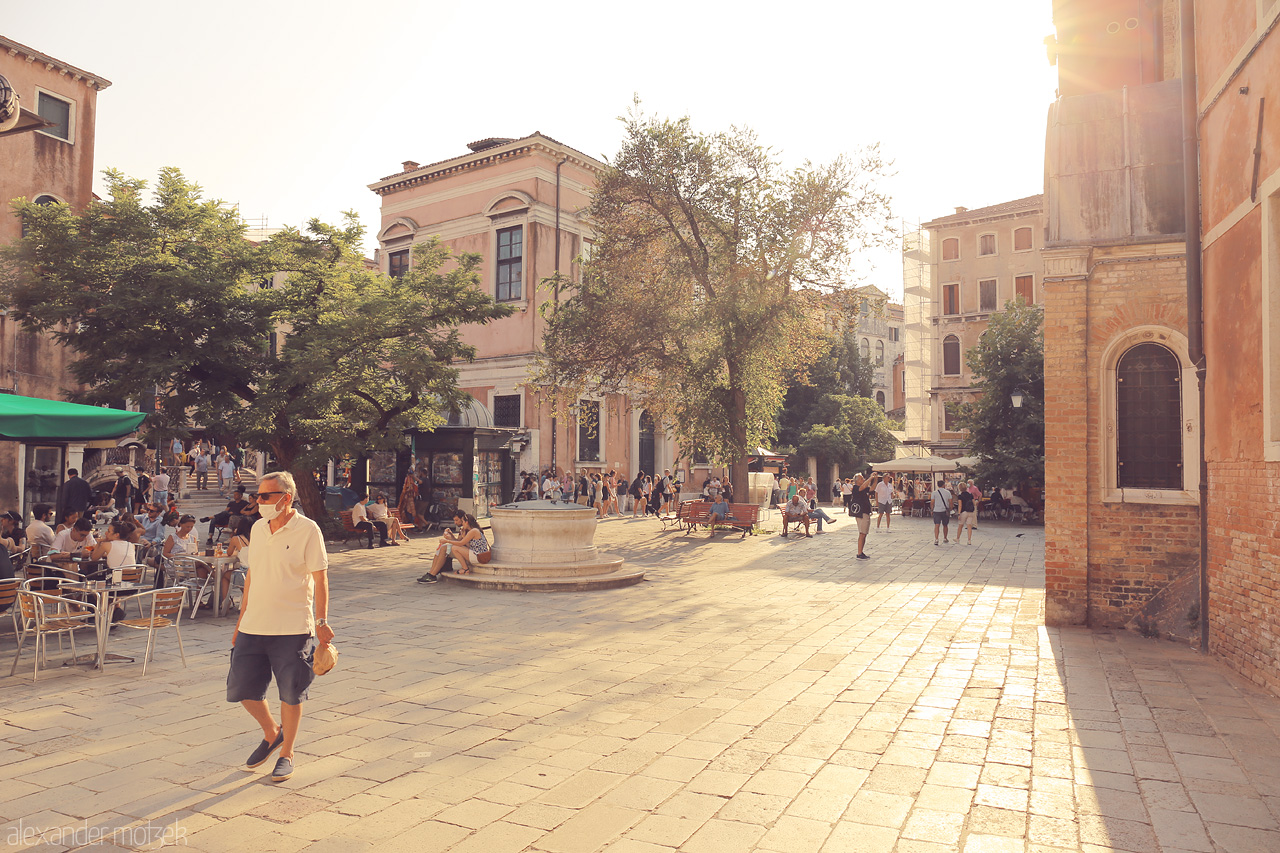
(1195,285)
(563,160)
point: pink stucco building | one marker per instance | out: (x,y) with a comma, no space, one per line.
(521,204)
(46,158)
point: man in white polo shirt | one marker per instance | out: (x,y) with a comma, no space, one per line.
(287,580)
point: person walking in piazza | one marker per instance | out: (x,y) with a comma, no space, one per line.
(968,511)
(285,604)
(202,470)
(942,499)
(160,488)
(862,510)
(226,474)
(884,502)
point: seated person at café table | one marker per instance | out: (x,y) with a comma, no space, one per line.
(75,539)
(795,512)
(39,533)
(9,543)
(183,541)
(153,532)
(117,550)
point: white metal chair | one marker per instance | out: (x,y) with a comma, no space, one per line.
(194,575)
(44,614)
(165,612)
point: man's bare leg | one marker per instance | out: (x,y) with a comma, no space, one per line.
(290,719)
(261,712)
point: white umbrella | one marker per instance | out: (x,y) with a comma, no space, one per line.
(910,465)
(967,461)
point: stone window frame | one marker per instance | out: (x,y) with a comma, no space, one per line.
(509,217)
(72,117)
(1271,322)
(508,391)
(995,245)
(1175,342)
(1017,278)
(958,306)
(995,296)
(959,355)
(1030,231)
(600,426)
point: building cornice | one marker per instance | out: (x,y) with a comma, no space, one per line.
(14,48)
(517,148)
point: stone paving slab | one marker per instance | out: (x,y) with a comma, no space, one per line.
(755,694)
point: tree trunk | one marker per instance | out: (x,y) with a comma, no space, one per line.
(309,497)
(738,432)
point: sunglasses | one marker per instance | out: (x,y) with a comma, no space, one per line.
(261,495)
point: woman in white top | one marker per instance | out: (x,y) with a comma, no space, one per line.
(183,540)
(116,548)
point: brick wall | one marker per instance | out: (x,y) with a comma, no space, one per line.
(1104,561)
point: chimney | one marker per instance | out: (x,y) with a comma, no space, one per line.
(409,165)
(958,209)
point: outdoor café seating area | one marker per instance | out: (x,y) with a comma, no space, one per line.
(63,609)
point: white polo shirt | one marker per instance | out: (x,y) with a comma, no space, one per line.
(281,590)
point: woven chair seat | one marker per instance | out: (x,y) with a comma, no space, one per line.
(64,624)
(145,624)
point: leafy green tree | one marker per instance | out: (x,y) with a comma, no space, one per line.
(848,431)
(842,369)
(701,297)
(1008,358)
(291,344)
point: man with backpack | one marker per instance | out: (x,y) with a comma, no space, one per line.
(942,499)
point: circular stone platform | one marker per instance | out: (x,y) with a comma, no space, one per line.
(541,546)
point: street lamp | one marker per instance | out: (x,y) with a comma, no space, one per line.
(1017,397)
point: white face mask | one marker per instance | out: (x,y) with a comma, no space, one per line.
(269,511)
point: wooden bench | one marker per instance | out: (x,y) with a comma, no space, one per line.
(684,511)
(744,517)
(349,529)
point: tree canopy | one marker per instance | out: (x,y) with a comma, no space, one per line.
(290,344)
(830,415)
(1008,358)
(702,295)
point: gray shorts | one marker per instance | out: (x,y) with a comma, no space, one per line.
(942,518)
(255,658)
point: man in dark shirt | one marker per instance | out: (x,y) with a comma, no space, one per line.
(234,509)
(75,495)
(862,510)
(123,491)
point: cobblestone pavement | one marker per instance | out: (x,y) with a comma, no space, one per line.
(750,695)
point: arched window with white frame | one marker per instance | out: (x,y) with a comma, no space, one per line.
(1151,425)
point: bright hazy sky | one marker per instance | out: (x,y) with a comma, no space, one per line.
(291,109)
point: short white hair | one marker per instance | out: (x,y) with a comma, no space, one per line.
(283,479)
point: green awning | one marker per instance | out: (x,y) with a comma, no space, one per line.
(33,419)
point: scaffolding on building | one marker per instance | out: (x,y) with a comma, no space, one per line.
(918,334)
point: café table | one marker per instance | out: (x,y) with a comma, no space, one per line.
(106,593)
(220,566)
